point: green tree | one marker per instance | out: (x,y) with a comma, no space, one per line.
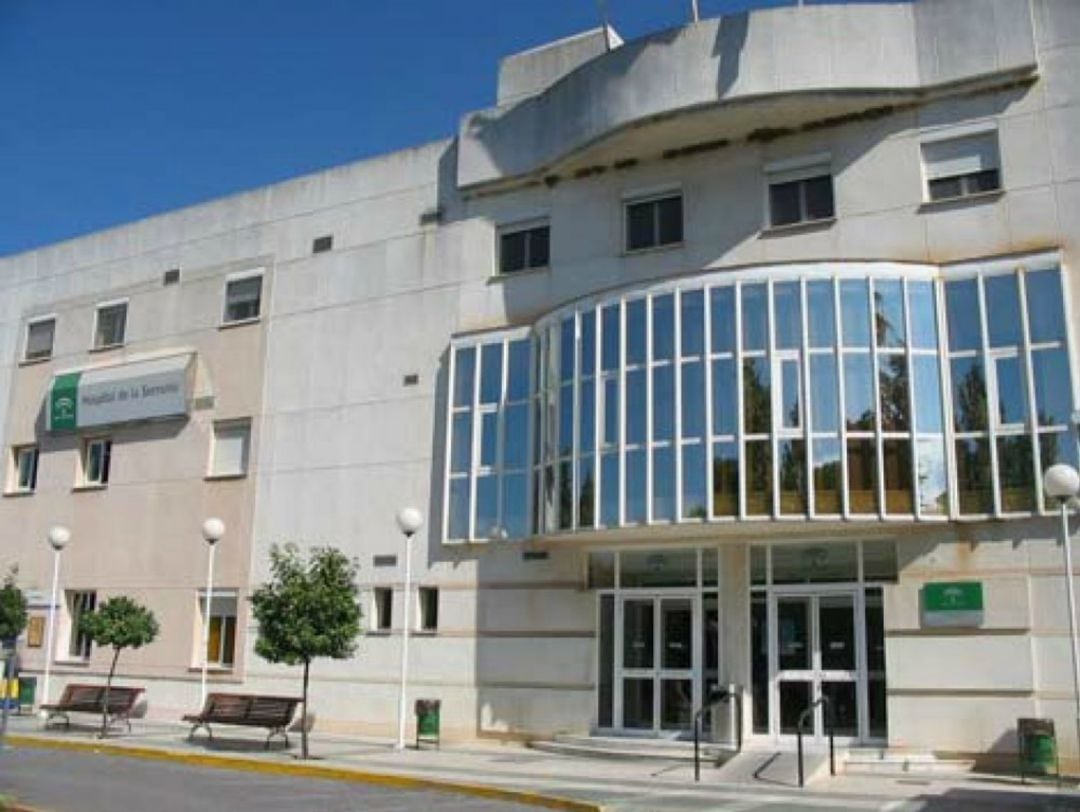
(309,608)
(12,608)
(120,623)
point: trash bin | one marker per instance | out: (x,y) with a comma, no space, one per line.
(726,728)
(427,721)
(1038,747)
(27,693)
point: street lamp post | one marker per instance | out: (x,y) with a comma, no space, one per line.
(409,521)
(58,538)
(212,531)
(1062,482)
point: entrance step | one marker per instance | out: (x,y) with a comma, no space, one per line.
(882,761)
(775,767)
(630,748)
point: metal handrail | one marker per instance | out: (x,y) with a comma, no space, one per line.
(830,728)
(716,696)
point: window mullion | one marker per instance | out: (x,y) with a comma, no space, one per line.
(776,417)
(1032,428)
(838,314)
(991,398)
(740,447)
(879,442)
(677,439)
(650,369)
(622,412)
(707,438)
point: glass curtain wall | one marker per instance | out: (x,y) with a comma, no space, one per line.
(850,391)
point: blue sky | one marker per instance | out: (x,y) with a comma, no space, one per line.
(117,109)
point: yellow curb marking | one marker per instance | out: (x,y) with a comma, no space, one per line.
(312,771)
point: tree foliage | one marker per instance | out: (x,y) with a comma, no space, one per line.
(12,608)
(310,608)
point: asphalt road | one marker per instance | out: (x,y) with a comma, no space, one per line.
(61,781)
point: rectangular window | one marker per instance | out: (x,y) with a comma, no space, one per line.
(221,643)
(324,243)
(802,194)
(110,326)
(524,247)
(79,604)
(653,223)
(39,339)
(383,608)
(243,299)
(24,473)
(232,442)
(96,460)
(429,608)
(961,167)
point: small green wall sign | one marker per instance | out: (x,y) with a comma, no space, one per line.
(952,603)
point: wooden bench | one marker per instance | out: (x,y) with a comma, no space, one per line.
(274,713)
(91,699)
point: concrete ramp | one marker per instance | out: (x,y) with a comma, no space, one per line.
(777,768)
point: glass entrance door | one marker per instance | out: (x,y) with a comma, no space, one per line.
(658,662)
(817,653)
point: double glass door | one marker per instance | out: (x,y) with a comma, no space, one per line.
(657,663)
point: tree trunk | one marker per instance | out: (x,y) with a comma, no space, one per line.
(303,714)
(108,685)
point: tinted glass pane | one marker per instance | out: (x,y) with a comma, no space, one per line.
(969,394)
(973,479)
(1053,390)
(899,492)
(828,477)
(923,315)
(566,495)
(587,364)
(722,319)
(517,384)
(858,392)
(512,252)
(692,304)
(459,509)
(1004,326)
(824,394)
(855,312)
(609,490)
(784,206)
(1016,473)
(757,404)
(491,373)
(636,495)
(487,507)
(640,226)
(893,386)
(724,396)
(787,305)
(664,402)
(693,482)
(1012,395)
(862,476)
(663,326)
(635,332)
(933,478)
(654,568)
(821,319)
(927,393)
(635,406)
(1055,447)
(611,411)
(566,421)
(962,308)
(663,484)
(693,399)
(758,478)
(725,473)
(516,440)
(539,247)
(889,313)
(1046,317)
(755,317)
(587,416)
(461,443)
(792,477)
(515,503)
(819,197)
(671,220)
(566,350)
(489,438)
(464,370)
(790,395)
(586,491)
(945,188)
(759,661)
(638,703)
(610,348)
(834,562)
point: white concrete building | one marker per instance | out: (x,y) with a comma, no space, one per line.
(733,354)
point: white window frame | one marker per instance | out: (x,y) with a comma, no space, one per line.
(26,359)
(383,622)
(84,458)
(224,595)
(652,196)
(18,453)
(241,276)
(517,227)
(951,134)
(72,637)
(221,427)
(421,591)
(792,170)
(94,346)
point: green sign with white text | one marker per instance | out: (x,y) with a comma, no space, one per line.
(952,603)
(64,402)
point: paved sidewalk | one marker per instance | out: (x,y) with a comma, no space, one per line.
(527,776)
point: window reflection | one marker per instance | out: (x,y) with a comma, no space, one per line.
(724,395)
(692,322)
(517,383)
(927,394)
(893,386)
(635,406)
(855,312)
(566,350)
(609,358)
(757,396)
(663,325)
(1053,398)
(889,313)
(923,315)
(792,477)
(664,484)
(899,493)
(858,392)
(821,321)
(586,491)
(464,369)
(1012,394)
(1003,321)
(1044,299)
(758,465)
(973,476)
(933,479)
(722,318)
(636,495)
(962,298)
(693,477)
(725,471)
(787,304)
(635,332)
(693,399)
(755,317)
(664,402)
(969,394)
(824,393)
(1016,473)
(609,490)
(587,364)
(828,476)
(862,476)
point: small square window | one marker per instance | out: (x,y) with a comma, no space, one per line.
(804,195)
(172,276)
(523,248)
(111,325)
(429,608)
(383,608)
(232,442)
(39,339)
(96,461)
(243,299)
(653,223)
(324,243)
(961,167)
(221,642)
(24,470)
(80,603)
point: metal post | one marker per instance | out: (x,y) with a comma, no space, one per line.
(1072,612)
(9,675)
(49,637)
(697,739)
(798,739)
(694,11)
(206,625)
(405,642)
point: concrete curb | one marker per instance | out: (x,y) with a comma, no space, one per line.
(392,780)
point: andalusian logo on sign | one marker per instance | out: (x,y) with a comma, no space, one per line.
(955,603)
(64,402)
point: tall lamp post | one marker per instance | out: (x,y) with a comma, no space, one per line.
(1062,482)
(409,521)
(212,531)
(58,539)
